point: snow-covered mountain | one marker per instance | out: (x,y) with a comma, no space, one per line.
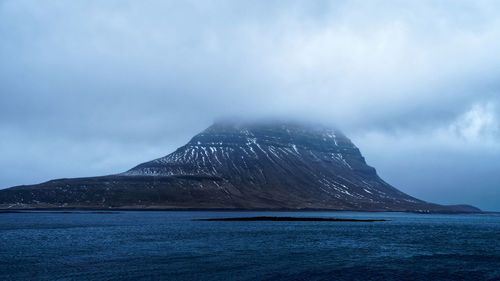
(272,165)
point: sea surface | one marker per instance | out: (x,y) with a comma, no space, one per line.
(167,245)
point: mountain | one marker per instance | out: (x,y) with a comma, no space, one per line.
(275,165)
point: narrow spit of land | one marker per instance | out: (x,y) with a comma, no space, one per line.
(287,219)
(55,212)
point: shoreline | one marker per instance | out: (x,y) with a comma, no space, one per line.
(117,210)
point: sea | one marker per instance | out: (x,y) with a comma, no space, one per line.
(171,245)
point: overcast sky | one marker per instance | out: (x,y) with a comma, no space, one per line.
(95,87)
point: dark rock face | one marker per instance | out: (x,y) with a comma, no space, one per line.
(230,166)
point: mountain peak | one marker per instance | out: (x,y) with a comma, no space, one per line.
(271,142)
(273,133)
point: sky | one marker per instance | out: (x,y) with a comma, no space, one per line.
(95,87)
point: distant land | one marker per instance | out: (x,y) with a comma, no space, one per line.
(290,219)
(262,165)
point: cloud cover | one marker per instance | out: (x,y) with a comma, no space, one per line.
(92,87)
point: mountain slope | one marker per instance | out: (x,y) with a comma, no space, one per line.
(248,166)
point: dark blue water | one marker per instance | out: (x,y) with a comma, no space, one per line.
(168,245)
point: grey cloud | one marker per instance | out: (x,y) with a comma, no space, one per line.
(119,82)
